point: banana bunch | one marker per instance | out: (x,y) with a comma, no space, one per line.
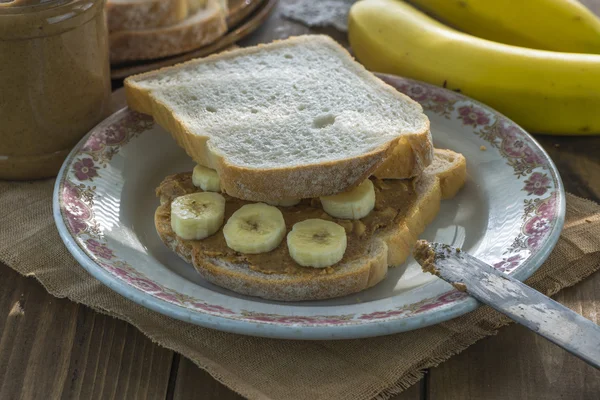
(556,25)
(260,228)
(544,91)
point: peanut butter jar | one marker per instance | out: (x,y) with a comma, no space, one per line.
(54,81)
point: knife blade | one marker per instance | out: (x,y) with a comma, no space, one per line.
(513,298)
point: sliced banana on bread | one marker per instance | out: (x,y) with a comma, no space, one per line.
(323,256)
(317,243)
(206,179)
(196,216)
(255,228)
(353,204)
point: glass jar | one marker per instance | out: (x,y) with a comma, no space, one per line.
(54,81)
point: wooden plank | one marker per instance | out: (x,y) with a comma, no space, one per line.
(54,348)
(194,383)
(578,161)
(412,393)
(518,364)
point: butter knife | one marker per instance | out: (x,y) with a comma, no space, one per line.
(513,298)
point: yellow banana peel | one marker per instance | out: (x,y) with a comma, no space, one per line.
(543,91)
(557,25)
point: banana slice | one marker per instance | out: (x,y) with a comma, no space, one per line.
(206,179)
(255,228)
(317,243)
(197,215)
(284,202)
(354,204)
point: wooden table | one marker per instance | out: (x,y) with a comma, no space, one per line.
(71,351)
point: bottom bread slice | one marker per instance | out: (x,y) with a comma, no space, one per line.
(384,238)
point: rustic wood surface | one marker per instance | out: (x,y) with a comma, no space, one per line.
(53,348)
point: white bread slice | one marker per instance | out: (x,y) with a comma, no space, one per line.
(127,15)
(383,247)
(296,118)
(199,29)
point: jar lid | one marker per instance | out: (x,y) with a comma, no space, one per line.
(22,19)
(22,6)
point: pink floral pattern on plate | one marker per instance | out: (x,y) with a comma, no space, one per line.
(540,209)
(537,184)
(473,115)
(527,160)
(85,169)
(507,264)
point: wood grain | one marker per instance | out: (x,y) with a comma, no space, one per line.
(412,393)
(193,383)
(578,161)
(518,364)
(53,348)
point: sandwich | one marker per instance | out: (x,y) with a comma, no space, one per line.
(313,176)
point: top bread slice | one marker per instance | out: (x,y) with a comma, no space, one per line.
(296,118)
(385,240)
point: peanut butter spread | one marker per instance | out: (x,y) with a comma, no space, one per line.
(393,200)
(425,256)
(54,81)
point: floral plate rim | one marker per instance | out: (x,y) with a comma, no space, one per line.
(89,252)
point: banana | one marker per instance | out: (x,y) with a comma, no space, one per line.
(198,215)
(355,204)
(255,228)
(206,179)
(544,91)
(284,202)
(557,25)
(317,243)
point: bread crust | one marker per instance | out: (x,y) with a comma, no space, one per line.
(409,158)
(128,45)
(388,247)
(413,150)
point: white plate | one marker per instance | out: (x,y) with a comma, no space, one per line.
(509,213)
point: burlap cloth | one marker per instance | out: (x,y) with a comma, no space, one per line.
(279,369)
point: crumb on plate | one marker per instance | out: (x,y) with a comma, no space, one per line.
(460,286)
